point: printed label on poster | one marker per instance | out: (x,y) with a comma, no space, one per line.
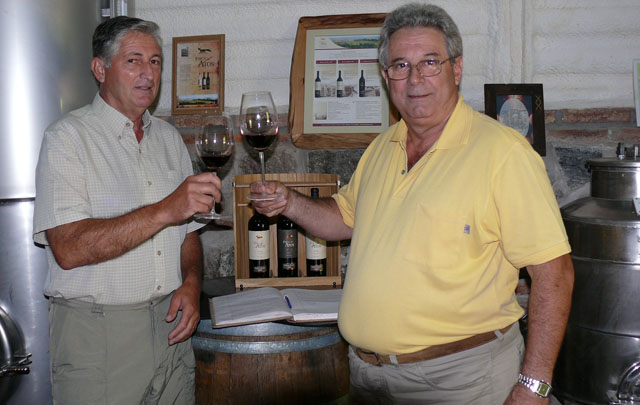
(198,74)
(348,85)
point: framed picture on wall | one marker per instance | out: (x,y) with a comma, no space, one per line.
(338,97)
(519,106)
(636,88)
(197,84)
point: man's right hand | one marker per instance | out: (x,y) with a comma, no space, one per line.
(195,194)
(274,207)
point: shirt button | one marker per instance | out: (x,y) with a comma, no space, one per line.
(128,124)
(402,172)
(159,288)
(159,252)
(119,137)
(149,182)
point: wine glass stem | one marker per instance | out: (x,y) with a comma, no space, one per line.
(213,207)
(261,154)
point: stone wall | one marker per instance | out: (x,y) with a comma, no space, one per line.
(572,137)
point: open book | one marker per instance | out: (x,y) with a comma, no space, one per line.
(267,304)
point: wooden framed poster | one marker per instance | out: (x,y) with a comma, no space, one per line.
(519,106)
(197,85)
(338,97)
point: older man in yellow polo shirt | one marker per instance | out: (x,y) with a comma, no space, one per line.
(443,210)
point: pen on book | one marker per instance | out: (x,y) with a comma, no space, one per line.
(288,302)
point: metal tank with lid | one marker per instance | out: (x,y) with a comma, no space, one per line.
(600,359)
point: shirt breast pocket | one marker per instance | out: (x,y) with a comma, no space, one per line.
(435,238)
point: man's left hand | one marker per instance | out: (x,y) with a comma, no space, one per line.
(521,395)
(185,299)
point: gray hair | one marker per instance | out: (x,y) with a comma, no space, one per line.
(108,36)
(416,15)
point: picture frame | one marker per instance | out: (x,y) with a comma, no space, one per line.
(636,88)
(197,82)
(519,106)
(329,49)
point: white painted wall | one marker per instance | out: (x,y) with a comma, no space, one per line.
(581,50)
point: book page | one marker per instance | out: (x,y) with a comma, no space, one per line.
(313,305)
(252,306)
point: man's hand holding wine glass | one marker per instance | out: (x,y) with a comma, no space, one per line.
(197,193)
(271,207)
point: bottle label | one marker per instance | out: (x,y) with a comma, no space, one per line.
(316,248)
(315,268)
(287,243)
(260,269)
(258,245)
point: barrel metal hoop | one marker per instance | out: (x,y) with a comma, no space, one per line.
(301,345)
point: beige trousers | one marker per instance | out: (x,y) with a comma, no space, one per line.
(118,355)
(483,375)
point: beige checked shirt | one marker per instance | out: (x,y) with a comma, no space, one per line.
(91,166)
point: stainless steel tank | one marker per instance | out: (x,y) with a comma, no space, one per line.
(44,73)
(600,359)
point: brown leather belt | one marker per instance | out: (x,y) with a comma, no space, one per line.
(431,352)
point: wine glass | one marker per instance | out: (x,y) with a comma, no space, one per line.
(259,126)
(214,146)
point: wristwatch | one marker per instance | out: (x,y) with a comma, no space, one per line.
(538,387)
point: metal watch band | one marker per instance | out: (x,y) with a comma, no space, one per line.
(538,387)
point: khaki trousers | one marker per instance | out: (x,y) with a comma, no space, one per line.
(118,355)
(483,375)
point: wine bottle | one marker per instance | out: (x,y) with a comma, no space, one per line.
(208,81)
(316,249)
(199,80)
(258,246)
(318,84)
(340,85)
(361,86)
(204,81)
(287,248)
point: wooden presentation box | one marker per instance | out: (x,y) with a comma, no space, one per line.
(327,184)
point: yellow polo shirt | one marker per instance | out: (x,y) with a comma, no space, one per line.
(436,250)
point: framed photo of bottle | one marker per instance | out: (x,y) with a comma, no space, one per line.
(519,106)
(338,96)
(197,85)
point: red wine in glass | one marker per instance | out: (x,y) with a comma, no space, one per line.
(214,145)
(257,141)
(259,126)
(213,163)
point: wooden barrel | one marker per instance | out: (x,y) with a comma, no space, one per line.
(270,363)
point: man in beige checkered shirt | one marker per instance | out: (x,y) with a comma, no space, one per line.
(115,197)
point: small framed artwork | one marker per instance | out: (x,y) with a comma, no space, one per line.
(197,85)
(519,106)
(338,96)
(636,88)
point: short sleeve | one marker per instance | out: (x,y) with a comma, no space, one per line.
(530,221)
(61,195)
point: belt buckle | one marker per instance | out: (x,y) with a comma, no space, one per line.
(378,359)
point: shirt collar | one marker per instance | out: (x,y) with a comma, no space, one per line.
(118,120)
(455,133)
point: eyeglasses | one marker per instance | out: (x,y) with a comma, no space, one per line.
(426,68)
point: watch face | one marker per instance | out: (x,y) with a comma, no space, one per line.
(544,390)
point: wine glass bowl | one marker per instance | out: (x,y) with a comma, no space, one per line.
(259,127)
(214,146)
